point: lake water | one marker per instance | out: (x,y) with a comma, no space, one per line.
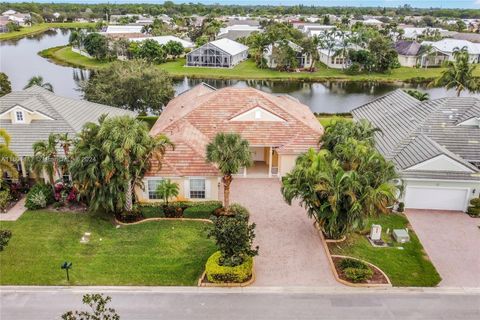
(20,61)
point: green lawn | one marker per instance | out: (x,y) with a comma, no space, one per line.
(38,28)
(408,267)
(152,253)
(248,70)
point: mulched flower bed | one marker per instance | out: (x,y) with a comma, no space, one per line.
(378,277)
(71,208)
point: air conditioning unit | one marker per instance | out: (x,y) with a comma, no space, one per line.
(401,235)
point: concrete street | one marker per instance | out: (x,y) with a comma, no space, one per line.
(174,303)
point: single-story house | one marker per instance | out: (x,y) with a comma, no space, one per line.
(333,60)
(413,54)
(448,46)
(304,60)
(435,146)
(33,114)
(222,53)
(278,129)
(236,31)
(165,39)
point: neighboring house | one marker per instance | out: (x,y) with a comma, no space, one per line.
(165,39)
(304,60)
(3,23)
(222,53)
(32,114)
(22,19)
(435,146)
(448,46)
(331,59)
(278,129)
(124,31)
(237,31)
(413,33)
(472,37)
(8,12)
(413,54)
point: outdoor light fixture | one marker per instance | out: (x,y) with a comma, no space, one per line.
(66,266)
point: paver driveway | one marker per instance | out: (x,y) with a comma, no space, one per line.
(291,253)
(452,240)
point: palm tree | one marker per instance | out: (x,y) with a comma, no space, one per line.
(38,81)
(45,158)
(421,96)
(310,47)
(167,189)
(459,74)
(230,153)
(128,149)
(65,143)
(341,197)
(7,156)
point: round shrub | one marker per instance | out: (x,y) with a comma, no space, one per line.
(358,274)
(39,196)
(475,202)
(5,236)
(225,274)
(474,211)
(352,263)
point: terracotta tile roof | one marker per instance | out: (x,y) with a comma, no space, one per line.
(192,119)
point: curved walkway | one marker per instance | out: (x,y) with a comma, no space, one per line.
(291,252)
(15,212)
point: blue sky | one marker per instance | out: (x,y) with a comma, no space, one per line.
(471,4)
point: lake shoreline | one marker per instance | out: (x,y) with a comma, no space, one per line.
(64,56)
(42,27)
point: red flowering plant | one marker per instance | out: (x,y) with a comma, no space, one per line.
(65,193)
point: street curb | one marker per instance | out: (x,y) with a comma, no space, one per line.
(254,289)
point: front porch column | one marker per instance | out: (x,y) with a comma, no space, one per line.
(270,163)
(24,168)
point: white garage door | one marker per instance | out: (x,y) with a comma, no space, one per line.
(436,198)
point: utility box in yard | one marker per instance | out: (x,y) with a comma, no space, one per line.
(401,235)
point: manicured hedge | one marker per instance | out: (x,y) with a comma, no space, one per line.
(223,274)
(198,210)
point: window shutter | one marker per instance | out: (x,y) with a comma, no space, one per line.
(208,189)
(186,188)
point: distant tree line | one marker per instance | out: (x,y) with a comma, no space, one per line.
(75,10)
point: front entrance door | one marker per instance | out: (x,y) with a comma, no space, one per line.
(258,153)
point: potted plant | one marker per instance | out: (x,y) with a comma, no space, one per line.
(166,190)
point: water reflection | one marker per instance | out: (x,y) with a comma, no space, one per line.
(19,60)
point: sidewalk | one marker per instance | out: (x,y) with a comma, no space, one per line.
(15,212)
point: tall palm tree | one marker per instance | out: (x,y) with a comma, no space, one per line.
(45,158)
(38,81)
(7,156)
(459,74)
(230,153)
(65,142)
(128,149)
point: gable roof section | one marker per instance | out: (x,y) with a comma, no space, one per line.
(413,132)
(195,117)
(229,46)
(66,116)
(407,48)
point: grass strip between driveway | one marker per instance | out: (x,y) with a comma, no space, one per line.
(161,253)
(407,267)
